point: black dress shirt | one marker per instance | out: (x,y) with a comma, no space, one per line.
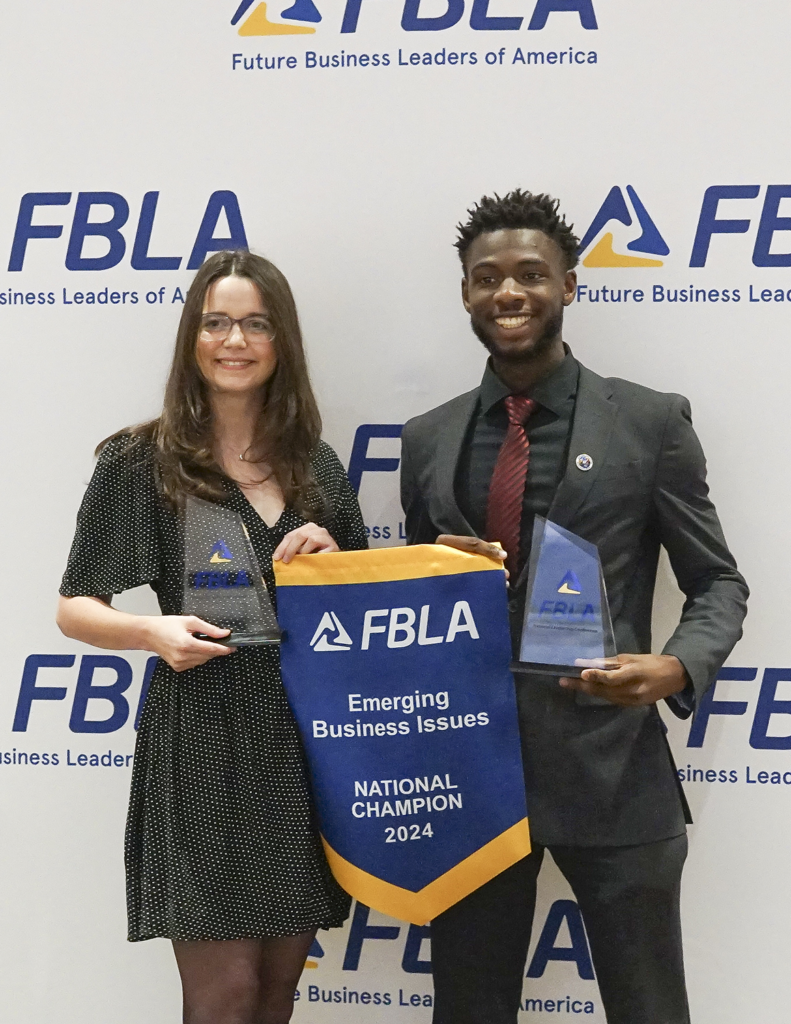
(548,430)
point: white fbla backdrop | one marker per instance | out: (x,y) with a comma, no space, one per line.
(662,126)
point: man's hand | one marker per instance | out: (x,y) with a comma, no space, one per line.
(474,545)
(638,680)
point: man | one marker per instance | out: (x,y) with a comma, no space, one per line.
(619,465)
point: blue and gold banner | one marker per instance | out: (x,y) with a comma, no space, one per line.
(395,662)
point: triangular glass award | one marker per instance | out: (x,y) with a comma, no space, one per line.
(222,579)
(567,625)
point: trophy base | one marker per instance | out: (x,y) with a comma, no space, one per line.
(528,668)
(241,639)
(533,668)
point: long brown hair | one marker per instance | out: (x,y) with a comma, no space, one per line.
(289,424)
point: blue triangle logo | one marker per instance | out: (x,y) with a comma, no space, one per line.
(615,208)
(220,552)
(570,584)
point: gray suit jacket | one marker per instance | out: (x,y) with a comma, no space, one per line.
(598,774)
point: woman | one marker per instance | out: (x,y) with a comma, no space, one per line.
(222,855)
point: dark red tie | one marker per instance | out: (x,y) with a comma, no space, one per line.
(507,488)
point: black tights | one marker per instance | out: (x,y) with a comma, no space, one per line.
(241,981)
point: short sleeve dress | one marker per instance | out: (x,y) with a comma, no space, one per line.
(221,841)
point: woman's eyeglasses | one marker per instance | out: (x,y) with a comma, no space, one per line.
(218,326)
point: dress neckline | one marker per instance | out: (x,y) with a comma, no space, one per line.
(255,511)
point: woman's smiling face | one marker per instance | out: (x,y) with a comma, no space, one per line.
(244,360)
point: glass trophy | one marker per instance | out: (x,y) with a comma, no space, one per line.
(567,625)
(222,579)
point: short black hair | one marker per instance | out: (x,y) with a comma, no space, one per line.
(519,209)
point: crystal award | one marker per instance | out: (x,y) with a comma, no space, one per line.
(222,579)
(567,625)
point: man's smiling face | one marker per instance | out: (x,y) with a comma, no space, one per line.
(515,287)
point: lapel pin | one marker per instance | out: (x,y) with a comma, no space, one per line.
(584,462)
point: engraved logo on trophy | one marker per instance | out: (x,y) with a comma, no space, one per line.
(222,579)
(567,625)
(221,553)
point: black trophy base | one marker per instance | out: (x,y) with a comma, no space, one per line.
(532,668)
(241,639)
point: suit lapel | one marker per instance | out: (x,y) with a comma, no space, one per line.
(594,418)
(449,448)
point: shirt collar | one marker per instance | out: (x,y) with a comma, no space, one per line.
(552,392)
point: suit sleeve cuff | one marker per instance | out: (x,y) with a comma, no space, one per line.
(683,704)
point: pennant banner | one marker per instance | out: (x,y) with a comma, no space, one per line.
(395,662)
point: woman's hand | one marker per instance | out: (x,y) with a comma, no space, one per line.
(170,636)
(305,540)
(94,621)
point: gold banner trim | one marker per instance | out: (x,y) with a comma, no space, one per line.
(423,906)
(380,565)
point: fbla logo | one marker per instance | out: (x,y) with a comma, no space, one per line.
(616,209)
(224,580)
(100,216)
(258,23)
(220,553)
(402,628)
(570,584)
(330,623)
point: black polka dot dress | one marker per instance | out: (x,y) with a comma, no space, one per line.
(221,838)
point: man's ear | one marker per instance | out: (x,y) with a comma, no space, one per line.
(465,293)
(569,287)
